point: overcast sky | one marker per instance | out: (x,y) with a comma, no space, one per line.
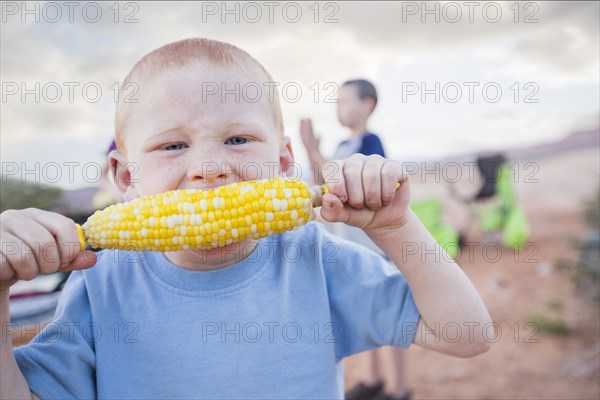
(543,57)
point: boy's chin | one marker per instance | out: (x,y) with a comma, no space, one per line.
(234,251)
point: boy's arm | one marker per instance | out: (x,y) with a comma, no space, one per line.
(12,382)
(363,193)
(444,295)
(311,143)
(28,238)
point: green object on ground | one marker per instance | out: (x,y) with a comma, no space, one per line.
(516,229)
(429,212)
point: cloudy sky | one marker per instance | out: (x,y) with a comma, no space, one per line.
(504,74)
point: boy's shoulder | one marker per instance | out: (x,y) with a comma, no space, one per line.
(371,144)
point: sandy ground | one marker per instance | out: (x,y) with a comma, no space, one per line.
(522,363)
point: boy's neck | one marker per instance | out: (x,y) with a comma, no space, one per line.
(214,259)
(358,130)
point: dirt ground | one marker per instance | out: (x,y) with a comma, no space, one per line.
(523,363)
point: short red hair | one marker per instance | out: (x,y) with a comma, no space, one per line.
(190,51)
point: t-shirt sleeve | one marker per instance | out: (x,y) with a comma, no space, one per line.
(60,361)
(371,302)
(371,144)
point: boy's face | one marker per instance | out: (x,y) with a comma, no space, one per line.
(178,136)
(182,135)
(352,111)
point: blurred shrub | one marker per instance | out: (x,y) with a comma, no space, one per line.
(586,269)
(556,327)
(587,277)
(19,195)
(592,212)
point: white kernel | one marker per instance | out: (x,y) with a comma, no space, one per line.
(276,205)
(253,228)
(137,211)
(287,192)
(215,201)
(170,222)
(175,239)
(151,222)
(144,232)
(156,242)
(203,205)
(222,232)
(183,230)
(180,219)
(245,189)
(269,216)
(294,214)
(234,232)
(284,205)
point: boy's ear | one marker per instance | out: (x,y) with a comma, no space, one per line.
(121,174)
(286,154)
(368,105)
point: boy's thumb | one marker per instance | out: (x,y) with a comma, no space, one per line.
(85,259)
(333,210)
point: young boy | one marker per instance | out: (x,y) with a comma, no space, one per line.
(269,318)
(356,102)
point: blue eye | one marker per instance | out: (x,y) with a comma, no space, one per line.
(236,140)
(174,146)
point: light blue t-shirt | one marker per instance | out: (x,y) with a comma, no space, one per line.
(275,325)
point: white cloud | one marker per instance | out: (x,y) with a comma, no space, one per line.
(559,53)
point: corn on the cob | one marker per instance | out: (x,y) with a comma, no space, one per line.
(201,219)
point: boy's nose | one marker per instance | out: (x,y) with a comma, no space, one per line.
(211,172)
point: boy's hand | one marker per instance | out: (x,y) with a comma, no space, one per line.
(307,134)
(35,242)
(363,193)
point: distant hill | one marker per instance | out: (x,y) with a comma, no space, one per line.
(575,141)
(78,201)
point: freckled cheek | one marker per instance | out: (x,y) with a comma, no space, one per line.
(158,176)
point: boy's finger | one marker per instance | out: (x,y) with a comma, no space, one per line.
(371,178)
(6,269)
(65,232)
(334,178)
(332,209)
(353,169)
(38,238)
(84,260)
(20,257)
(389,180)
